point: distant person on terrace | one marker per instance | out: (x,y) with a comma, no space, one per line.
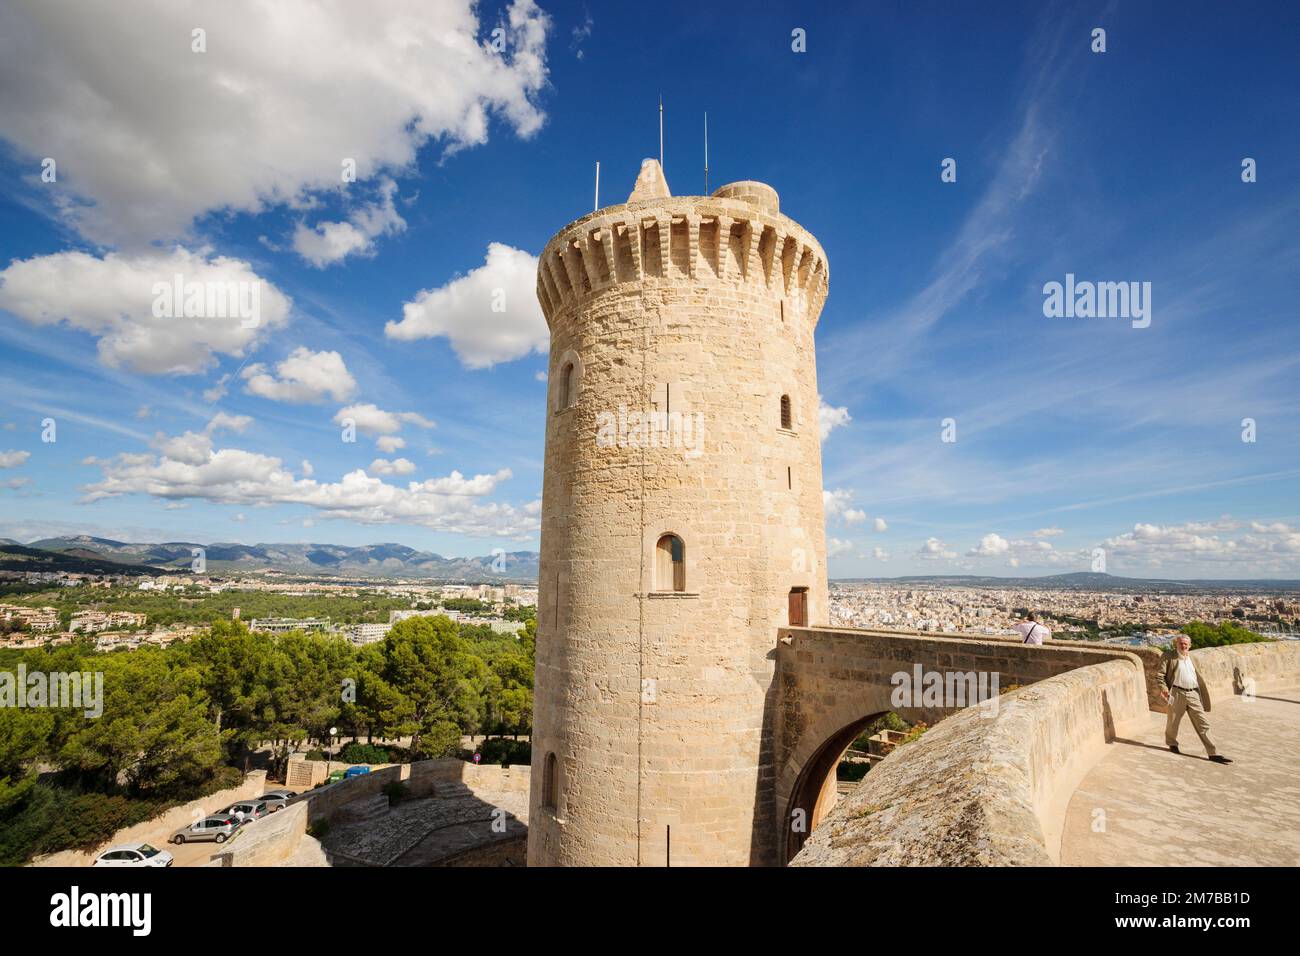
(1032,631)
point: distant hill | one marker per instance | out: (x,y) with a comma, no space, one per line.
(16,557)
(1081,581)
(375,560)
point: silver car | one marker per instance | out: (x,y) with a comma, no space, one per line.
(275,801)
(219,828)
(246,811)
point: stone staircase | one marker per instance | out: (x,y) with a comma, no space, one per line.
(365,808)
(454,790)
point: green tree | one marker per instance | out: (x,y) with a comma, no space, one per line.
(1228,632)
(427,685)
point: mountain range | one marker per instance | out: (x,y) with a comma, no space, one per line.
(1084,581)
(375,560)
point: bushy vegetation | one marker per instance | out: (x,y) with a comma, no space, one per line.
(504,751)
(1212,635)
(177,720)
(196,605)
(396,792)
(355,752)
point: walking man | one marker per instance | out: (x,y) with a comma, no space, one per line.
(1185,692)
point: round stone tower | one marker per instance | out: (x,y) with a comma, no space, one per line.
(682,523)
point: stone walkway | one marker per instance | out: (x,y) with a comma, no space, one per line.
(1145,806)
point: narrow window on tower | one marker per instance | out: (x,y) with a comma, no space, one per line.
(568,387)
(789,477)
(786,417)
(551,783)
(670,564)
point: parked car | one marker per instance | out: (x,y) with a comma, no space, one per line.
(355,772)
(219,828)
(287,794)
(246,811)
(134,854)
(274,801)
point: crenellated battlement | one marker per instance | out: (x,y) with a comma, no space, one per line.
(734,237)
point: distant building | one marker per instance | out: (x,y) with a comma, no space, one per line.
(367,633)
(283,625)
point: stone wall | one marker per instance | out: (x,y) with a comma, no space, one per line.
(268,841)
(1232,669)
(978,790)
(324,801)
(981,790)
(426,775)
(159,830)
(1149,656)
(833,680)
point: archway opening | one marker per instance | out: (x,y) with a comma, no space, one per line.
(838,766)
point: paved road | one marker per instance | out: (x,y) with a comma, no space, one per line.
(1164,809)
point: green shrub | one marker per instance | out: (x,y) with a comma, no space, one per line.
(396,792)
(851,771)
(356,752)
(1209,635)
(506,752)
(50,819)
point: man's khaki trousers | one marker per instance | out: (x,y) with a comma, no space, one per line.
(1189,701)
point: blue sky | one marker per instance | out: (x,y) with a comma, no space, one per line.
(1072,434)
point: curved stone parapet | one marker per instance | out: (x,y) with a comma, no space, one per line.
(1248,668)
(992,791)
(980,790)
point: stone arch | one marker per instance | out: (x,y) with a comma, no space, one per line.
(814,788)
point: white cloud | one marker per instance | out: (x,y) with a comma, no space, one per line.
(194,448)
(158,135)
(397,466)
(113,299)
(370,419)
(233,476)
(1227,547)
(830,418)
(389,443)
(837,546)
(307,469)
(330,242)
(489,315)
(989,545)
(837,503)
(880,554)
(305,376)
(218,391)
(12,459)
(879,525)
(1048,532)
(934,550)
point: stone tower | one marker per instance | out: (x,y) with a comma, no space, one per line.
(682,522)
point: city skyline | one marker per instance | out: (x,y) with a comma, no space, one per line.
(377,298)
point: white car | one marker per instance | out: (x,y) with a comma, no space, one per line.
(134,854)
